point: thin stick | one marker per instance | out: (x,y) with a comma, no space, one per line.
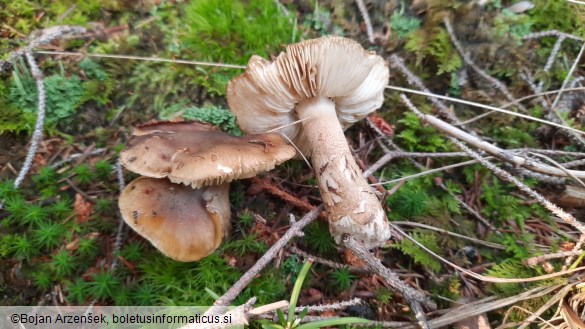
(533,261)
(578,137)
(367,21)
(293,231)
(146,59)
(460,236)
(398,63)
(76,156)
(555,33)
(324,261)
(427,172)
(38,132)
(121,226)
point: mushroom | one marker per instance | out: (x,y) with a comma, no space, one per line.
(188,222)
(183,223)
(199,155)
(328,84)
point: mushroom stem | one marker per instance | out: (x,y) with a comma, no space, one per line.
(351,205)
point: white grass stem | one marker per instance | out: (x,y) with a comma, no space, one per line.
(146,59)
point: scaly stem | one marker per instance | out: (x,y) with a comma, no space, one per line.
(351,205)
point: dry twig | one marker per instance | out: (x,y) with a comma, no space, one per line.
(38,131)
(43,37)
(411,295)
(367,21)
(323,261)
(292,232)
(467,59)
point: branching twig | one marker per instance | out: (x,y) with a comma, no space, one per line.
(501,154)
(293,231)
(75,157)
(414,297)
(568,218)
(43,37)
(467,59)
(323,261)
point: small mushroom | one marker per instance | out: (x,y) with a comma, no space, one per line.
(183,223)
(328,84)
(199,155)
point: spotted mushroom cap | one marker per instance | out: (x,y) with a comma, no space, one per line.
(202,157)
(265,96)
(183,223)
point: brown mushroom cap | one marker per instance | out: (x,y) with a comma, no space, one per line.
(199,157)
(183,223)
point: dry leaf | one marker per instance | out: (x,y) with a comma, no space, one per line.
(82,209)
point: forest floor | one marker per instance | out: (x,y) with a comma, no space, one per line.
(471,230)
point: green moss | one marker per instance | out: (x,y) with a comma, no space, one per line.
(420,256)
(318,238)
(217,116)
(231,32)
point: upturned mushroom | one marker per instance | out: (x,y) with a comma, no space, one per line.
(188,222)
(327,84)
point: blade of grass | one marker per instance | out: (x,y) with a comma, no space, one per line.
(294,297)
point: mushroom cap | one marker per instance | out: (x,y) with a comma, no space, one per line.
(265,96)
(198,156)
(173,126)
(183,223)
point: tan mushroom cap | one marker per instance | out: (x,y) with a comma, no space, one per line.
(172,126)
(334,67)
(202,158)
(183,223)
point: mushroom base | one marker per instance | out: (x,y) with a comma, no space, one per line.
(350,203)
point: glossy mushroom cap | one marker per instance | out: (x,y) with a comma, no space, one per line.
(198,155)
(337,68)
(183,223)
